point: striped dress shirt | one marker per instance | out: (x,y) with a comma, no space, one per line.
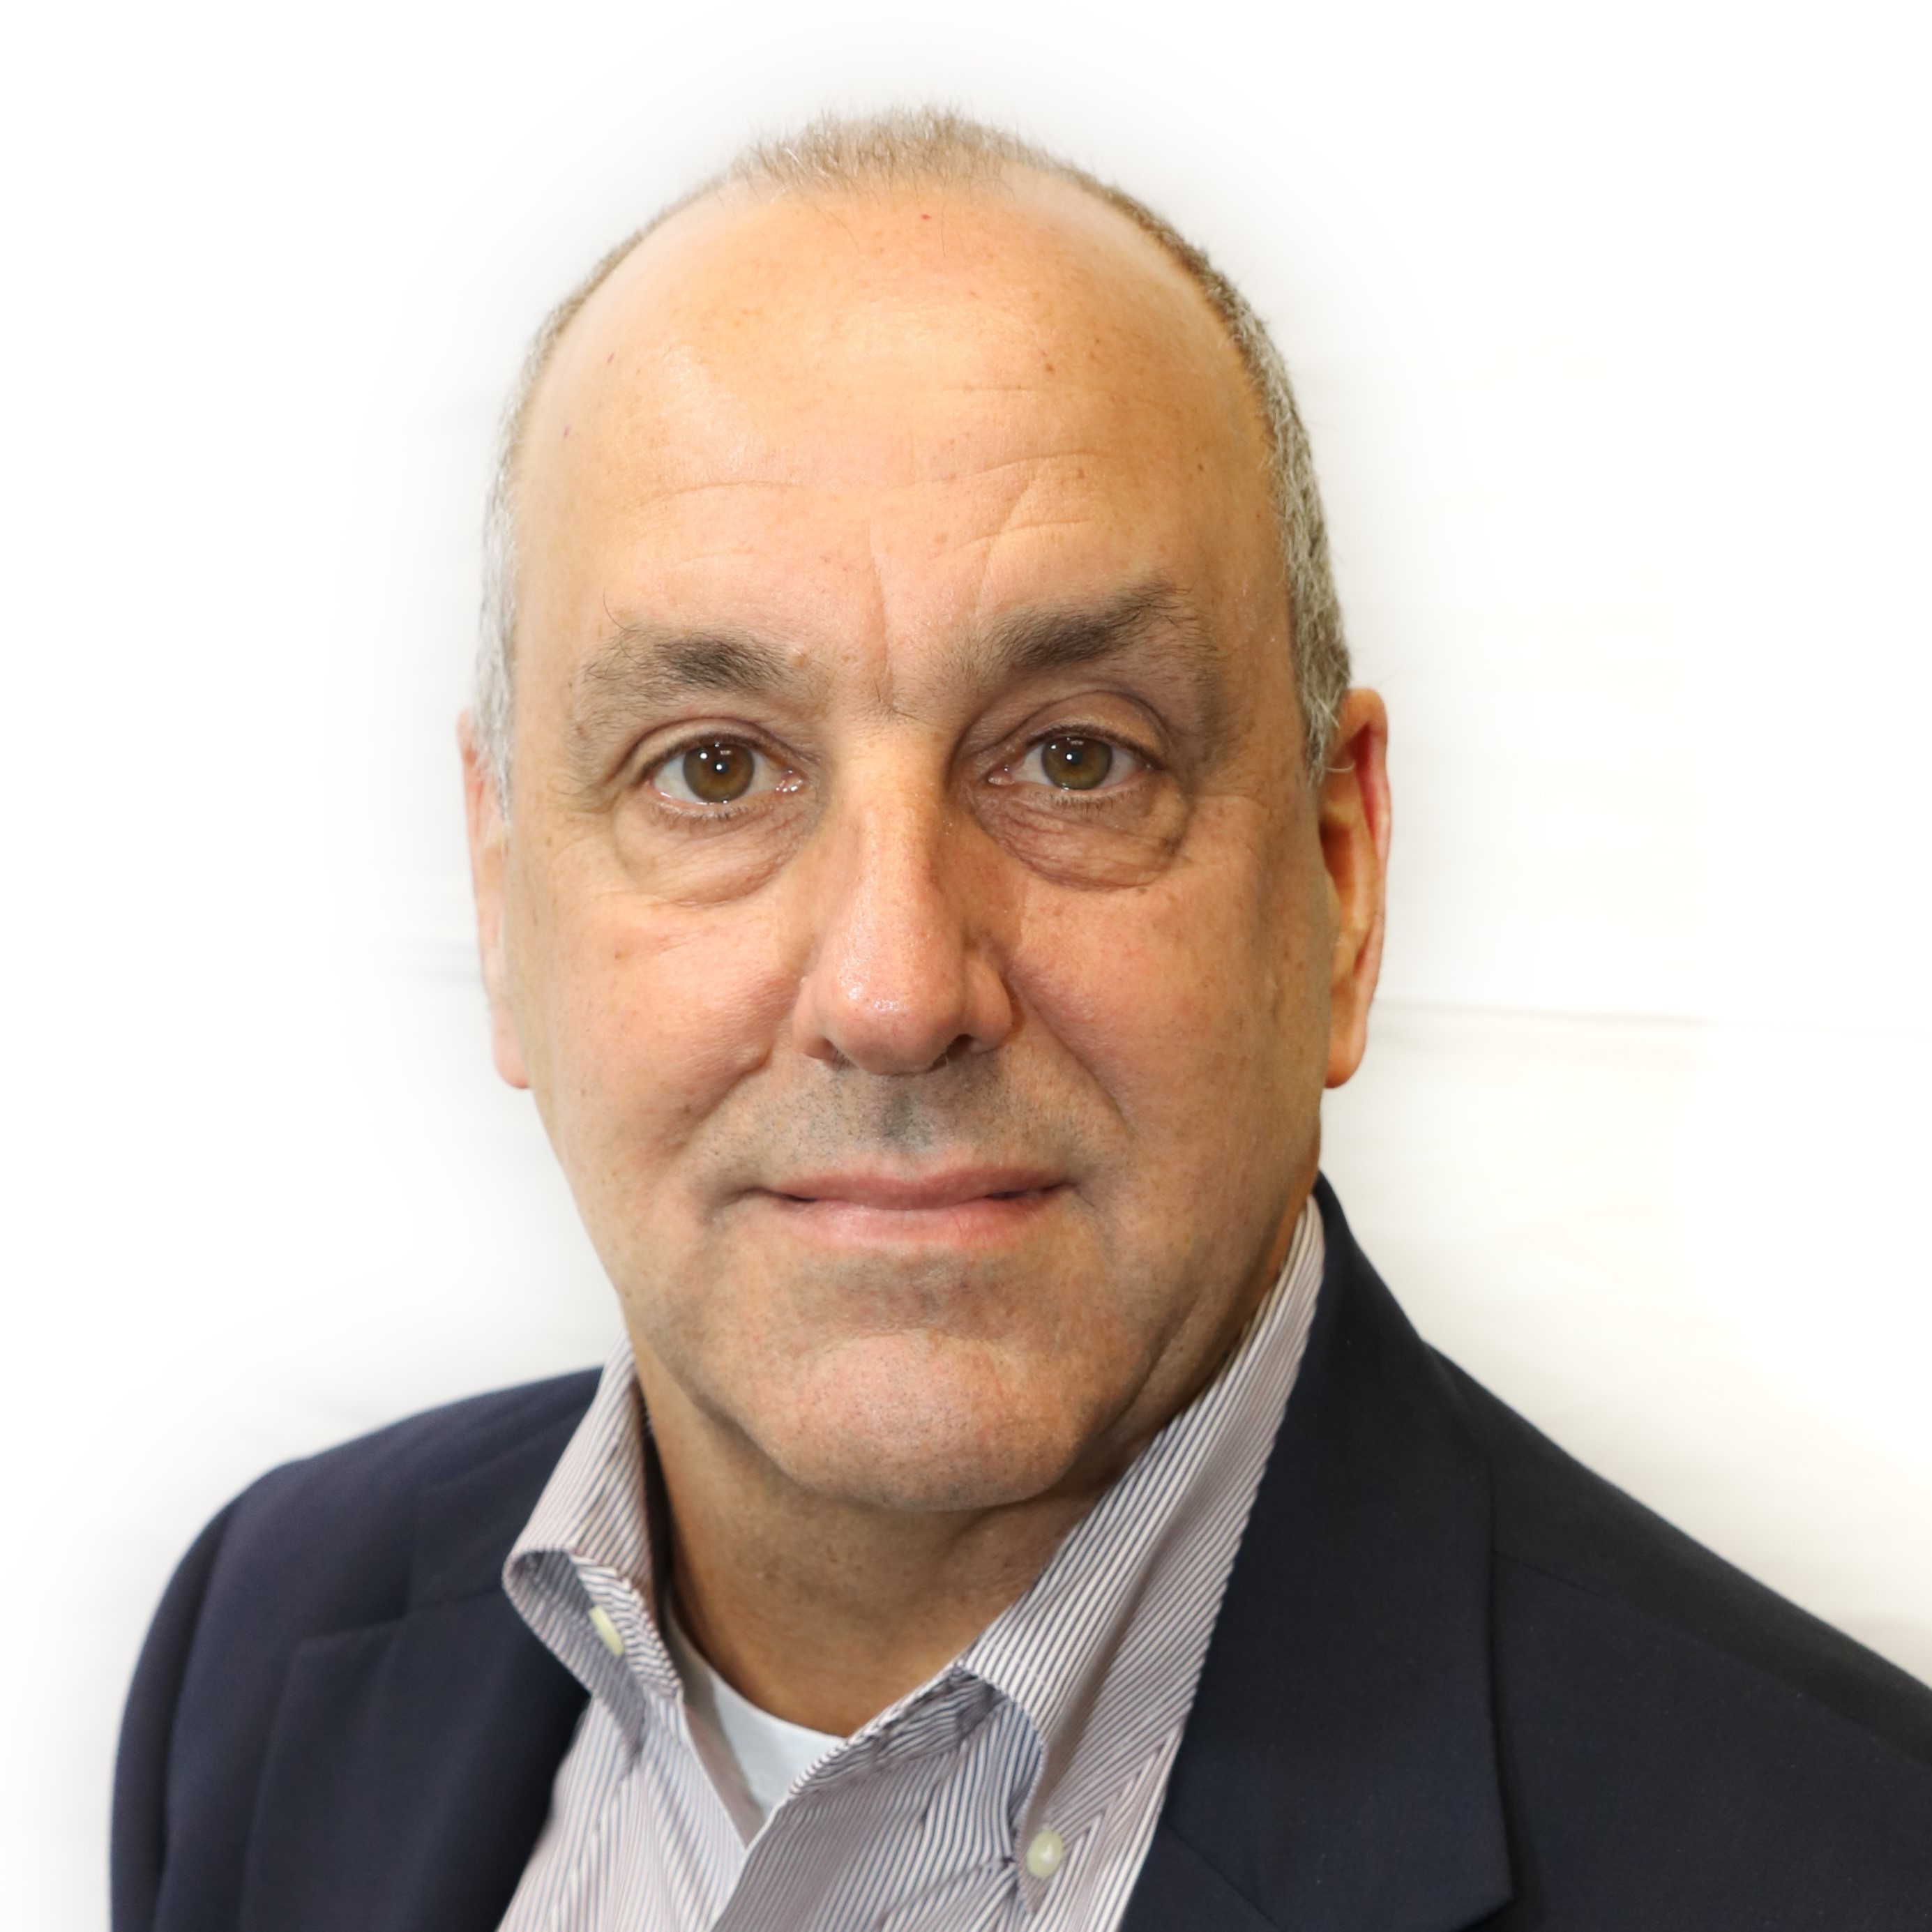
(1019,1787)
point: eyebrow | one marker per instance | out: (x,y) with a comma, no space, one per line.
(645,668)
(1036,643)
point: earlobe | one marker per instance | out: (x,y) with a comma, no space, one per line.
(505,1048)
(1353,809)
(489,839)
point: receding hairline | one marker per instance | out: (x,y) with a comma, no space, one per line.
(738,191)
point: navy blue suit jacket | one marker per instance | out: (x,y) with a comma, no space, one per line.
(1456,1680)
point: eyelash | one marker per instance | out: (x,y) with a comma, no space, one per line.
(709,814)
(1062,798)
(1067,798)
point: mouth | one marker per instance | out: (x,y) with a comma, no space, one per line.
(957,1207)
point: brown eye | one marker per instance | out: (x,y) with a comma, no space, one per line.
(1075,764)
(718,774)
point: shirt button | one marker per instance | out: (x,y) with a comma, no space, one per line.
(600,1621)
(1044,1854)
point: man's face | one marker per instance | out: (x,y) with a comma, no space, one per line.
(913,918)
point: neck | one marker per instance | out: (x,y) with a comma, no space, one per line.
(823,1611)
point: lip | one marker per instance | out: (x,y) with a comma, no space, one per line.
(958,1210)
(955,1187)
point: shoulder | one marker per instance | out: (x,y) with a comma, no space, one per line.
(343,1525)
(1630,1660)
(335,1542)
(1558,1520)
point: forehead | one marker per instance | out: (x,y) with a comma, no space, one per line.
(933,400)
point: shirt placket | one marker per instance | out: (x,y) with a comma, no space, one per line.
(855,1844)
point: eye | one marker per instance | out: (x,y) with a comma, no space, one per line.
(721,771)
(1073,761)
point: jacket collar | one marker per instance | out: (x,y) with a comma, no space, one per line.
(1338,1768)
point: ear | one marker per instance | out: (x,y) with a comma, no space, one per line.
(489,853)
(1352,810)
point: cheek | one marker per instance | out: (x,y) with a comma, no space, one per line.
(1194,1000)
(652,1015)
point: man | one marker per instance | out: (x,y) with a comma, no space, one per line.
(929,865)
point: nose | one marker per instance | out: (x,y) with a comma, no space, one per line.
(903,973)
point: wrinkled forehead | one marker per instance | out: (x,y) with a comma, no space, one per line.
(781,376)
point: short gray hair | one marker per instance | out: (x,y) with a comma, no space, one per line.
(932,146)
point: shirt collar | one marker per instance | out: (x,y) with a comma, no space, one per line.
(584,1573)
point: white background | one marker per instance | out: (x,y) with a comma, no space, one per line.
(1611,324)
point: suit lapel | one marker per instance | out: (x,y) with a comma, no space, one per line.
(1178,1891)
(1338,1773)
(410,1768)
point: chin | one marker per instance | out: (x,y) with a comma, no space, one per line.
(884,1431)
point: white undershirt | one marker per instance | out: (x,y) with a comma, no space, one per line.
(754,1758)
